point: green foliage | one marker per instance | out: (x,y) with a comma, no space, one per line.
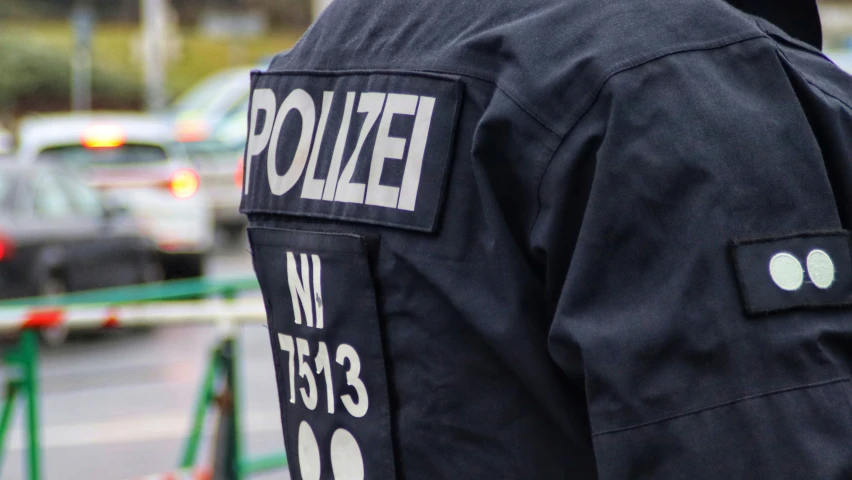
(35,70)
(29,69)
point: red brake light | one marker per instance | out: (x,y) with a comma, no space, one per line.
(184,183)
(238,173)
(7,248)
(103,136)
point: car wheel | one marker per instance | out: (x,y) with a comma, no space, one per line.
(52,286)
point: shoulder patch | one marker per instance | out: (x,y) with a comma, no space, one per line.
(812,270)
(368,147)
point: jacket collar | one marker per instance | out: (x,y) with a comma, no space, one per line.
(798,18)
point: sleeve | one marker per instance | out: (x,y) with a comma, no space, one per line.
(681,222)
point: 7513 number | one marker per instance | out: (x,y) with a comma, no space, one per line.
(300,348)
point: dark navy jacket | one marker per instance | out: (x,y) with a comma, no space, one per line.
(555,239)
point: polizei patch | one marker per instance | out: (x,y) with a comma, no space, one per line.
(812,270)
(364,147)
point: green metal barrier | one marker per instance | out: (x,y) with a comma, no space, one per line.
(219,389)
(228,459)
(22,385)
(160,291)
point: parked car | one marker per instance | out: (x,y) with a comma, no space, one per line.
(58,235)
(198,112)
(139,156)
(214,158)
(6,141)
(211,120)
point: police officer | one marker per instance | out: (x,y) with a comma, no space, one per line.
(556,239)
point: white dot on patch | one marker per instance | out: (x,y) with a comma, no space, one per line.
(309,456)
(820,269)
(346,460)
(786,272)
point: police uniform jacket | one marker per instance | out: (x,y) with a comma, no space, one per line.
(544,240)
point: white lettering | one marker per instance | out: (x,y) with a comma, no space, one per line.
(261,99)
(339,147)
(371,104)
(309,396)
(346,354)
(416,151)
(388,147)
(339,185)
(300,289)
(311,187)
(315,259)
(300,101)
(356,409)
(286,344)
(323,365)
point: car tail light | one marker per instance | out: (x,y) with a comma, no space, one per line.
(7,248)
(184,183)
(238,173)
(103,136)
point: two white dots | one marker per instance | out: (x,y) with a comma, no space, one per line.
(787,272)
(346,460)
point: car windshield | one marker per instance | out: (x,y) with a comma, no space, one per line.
(80,155)
(234,127)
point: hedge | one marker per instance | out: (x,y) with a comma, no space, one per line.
(31,70)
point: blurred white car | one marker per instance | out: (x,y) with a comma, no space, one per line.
(216,160)
(197,113)
(202,118)
(135,158)
(6,141)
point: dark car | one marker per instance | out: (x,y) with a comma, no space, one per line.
(58,235)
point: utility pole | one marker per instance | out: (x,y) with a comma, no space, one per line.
(317,6)
(82,24)
(154,15)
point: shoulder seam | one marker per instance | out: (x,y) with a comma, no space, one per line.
(401,69)
(590,100)
(522,105)
(808,78)
(632,63)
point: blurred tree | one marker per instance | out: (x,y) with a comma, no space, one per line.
(286,13)
(37,78)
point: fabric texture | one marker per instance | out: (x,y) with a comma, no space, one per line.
(575,312)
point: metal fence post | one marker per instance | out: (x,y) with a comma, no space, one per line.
(10,397)
(29,357)
(8,407)
(205,396)
(226,460)
(232,350)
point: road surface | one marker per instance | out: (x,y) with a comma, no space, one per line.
(117,407)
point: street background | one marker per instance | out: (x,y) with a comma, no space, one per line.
(119,406)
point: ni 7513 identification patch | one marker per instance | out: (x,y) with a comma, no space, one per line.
(358,146)
(328,350)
